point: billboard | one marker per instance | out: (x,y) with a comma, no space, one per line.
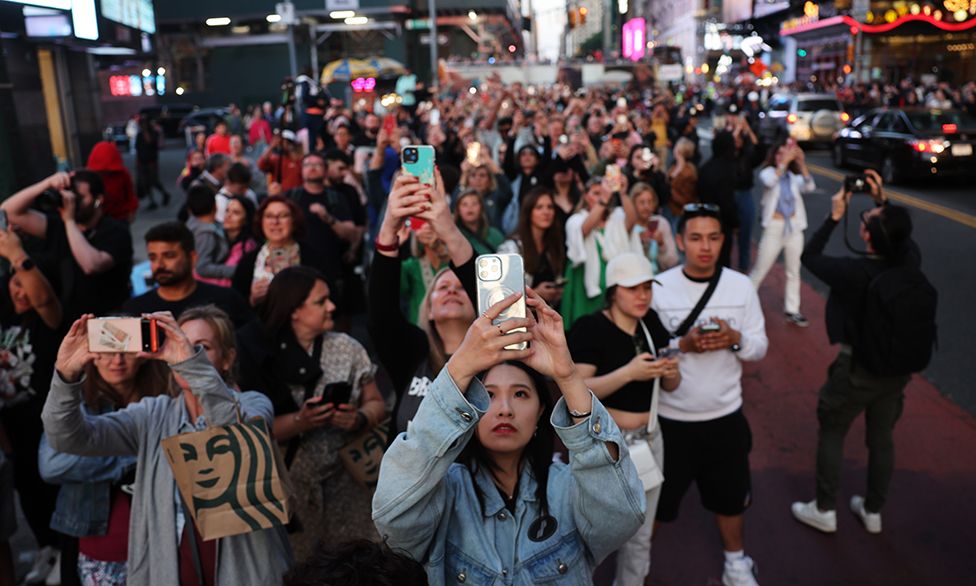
(634,39)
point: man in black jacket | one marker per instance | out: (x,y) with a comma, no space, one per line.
(716,184)
(851,388)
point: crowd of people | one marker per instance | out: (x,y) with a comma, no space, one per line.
(504,461)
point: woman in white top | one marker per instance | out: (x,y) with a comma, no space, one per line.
(785,178)
(653,230)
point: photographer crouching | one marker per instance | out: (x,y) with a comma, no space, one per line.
(881,310)
(92,252)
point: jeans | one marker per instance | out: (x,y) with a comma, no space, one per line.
(775,239)
(634,557)
(747,216)
(849,390)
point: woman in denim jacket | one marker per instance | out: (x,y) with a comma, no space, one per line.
(508,514)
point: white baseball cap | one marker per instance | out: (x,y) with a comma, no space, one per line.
(629,269)
(288,135)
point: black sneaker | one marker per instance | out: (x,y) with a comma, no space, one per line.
(797,319)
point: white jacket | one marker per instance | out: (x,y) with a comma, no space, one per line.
(614,239)
(770,183)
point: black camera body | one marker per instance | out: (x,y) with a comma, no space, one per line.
(49,201)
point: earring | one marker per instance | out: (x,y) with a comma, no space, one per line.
(536,432)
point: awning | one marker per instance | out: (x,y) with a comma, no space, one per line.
(856,27)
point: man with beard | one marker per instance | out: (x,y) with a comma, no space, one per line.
(172,256)
(89,253)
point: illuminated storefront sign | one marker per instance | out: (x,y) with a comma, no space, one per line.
(634,43)
(135,85)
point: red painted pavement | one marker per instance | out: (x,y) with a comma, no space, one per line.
(929,522)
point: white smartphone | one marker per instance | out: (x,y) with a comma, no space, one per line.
(500,275)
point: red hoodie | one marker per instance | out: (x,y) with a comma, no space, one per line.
(120,200)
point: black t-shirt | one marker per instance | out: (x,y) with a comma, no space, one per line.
(223,297)
(596,340)
(342,203)
(80,293)
(34,339)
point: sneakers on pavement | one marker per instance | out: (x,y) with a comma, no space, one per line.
(797,319)
(872,521)
(809,514)
(44,562)
(740,572)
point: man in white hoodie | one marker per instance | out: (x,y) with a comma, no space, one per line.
(706,435)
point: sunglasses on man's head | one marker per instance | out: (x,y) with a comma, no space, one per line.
(701,208)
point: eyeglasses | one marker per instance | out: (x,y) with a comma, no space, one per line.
(277,217)
(701,208)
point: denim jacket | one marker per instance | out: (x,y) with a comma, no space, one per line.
(427,505)
(85,499)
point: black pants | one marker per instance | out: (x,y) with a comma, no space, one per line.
(37,498)
(849,390)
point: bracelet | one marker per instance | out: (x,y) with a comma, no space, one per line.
(579,415)
(386,247)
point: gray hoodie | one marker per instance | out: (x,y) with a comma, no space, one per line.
(258,558)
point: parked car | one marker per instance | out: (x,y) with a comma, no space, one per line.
(909,143)
(167,116)
(803,117)
(203,120)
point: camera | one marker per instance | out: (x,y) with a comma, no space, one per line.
(857,184)
(49,201)
(410,155)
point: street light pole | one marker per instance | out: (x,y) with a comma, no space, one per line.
(432,10)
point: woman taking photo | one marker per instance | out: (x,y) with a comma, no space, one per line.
(413,355)
(617,352)
(473,493)
(652,229)
(540,241)
(785,178)
(469,214)
(160,542)
(292,356)
(281,224)
(94,504)
(595,234)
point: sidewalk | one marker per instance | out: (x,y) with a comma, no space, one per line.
(928,522)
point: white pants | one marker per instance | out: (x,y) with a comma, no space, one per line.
(774,239)
(634,557)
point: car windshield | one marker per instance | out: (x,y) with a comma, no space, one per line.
(933,120)
(814,105)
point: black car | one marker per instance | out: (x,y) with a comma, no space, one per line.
(909,143)
(167,116)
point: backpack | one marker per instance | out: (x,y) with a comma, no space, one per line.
(898,331)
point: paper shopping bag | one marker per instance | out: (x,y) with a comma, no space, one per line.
(362,455)
(230,478)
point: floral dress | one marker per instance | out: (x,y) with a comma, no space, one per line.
(331,507)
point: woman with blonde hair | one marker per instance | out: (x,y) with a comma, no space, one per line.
(653,230)
(414,354)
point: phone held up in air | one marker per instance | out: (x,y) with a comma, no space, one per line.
(389,124)
(418,160)
(857,183)
(500,275)
(124,334)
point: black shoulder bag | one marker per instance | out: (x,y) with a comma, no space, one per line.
(690,320)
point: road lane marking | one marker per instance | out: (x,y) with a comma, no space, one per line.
(909,200)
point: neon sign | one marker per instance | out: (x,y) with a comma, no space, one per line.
(363,84)
(633,38)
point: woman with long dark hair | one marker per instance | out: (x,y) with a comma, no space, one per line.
(292,356)
(539,239)
(472,220)
(505,511)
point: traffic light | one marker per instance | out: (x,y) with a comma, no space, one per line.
(801,52)
(571,15)
(583,11)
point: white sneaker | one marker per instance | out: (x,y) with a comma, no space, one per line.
(740,572)
(809,514)
(54,577)
(872,521)
(44,561)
